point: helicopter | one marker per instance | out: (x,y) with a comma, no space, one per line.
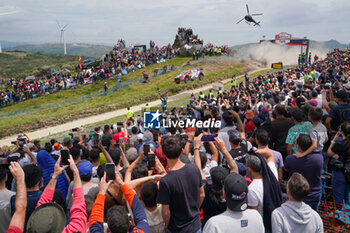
(249,18)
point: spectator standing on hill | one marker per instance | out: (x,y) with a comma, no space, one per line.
(105,86)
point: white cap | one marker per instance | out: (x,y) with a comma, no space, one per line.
(140,136)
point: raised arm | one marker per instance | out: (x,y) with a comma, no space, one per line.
(18,218)
(135,204)
(231,163)
(28,152)
(49,191)
(214,152)
(197,143)
(239,123)
(128,172)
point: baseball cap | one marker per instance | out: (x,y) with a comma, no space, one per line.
(21,136)
(140,136)
(298,114)
(300,101)
(147,137)
(49,217)
(115,137)
(342,95)
(346,86)
(85,168)
(57,146)
(236,192)
(67,142)
(264,114)
(313,103)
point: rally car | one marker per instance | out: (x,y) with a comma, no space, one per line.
(188,75)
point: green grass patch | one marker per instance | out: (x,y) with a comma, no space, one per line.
(21,65)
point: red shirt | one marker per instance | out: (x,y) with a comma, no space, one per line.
(249,126)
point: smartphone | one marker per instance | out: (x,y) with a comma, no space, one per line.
(151,161)
(208,138)
(185,136)
(289,101)
(110,171)
(64,156)
(14,142)
(74,129)
(146,149)
(120,123)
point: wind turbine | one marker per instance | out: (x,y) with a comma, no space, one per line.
(62,37)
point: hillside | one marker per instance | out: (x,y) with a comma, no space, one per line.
(72,104)
(86,50)
(20,65)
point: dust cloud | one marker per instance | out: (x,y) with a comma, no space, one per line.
(268,53)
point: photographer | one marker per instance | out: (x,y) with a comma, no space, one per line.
(21,153)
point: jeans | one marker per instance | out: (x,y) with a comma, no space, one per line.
(325,161)
(313,202)
(341,189)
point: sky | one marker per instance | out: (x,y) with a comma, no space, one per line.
(138,21)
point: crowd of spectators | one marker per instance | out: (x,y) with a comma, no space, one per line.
(186,35)
(119,61)
(278,133)
(130,60)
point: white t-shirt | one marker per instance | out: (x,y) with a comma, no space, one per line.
(206,170)
(248,221)
(273,168)
(256,194)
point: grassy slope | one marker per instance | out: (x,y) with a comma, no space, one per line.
(137,94)
(20,65)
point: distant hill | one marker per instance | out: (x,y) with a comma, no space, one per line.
(326,45)
(87,50)
(9,44)
(20,65)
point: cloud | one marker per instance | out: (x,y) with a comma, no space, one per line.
(105,21)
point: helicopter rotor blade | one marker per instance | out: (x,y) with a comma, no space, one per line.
(239,21)
(256,14)
(247,9)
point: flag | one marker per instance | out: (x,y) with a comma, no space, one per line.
(79,59)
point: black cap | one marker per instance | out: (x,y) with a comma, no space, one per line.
(236,192)
(300,101)
(342,95)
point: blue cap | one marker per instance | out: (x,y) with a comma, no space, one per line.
(85,168)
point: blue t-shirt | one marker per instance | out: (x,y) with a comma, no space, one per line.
(32,200)
(340,114)
(310,166)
